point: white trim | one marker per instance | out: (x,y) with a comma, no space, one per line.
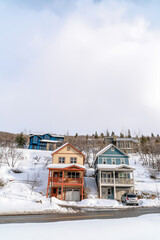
(107,148)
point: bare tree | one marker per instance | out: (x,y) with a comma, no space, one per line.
(10,155)
(35,181)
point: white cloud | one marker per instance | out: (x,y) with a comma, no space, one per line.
(90,70)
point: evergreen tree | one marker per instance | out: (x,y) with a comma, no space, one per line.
(121,135)
(76,135)
(108,133)
(112,134)
(20,140)
(129,134)
(96,135)
(143,139)
(102,135)
(152,135)
(87,137)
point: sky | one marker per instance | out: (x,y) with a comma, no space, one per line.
(80,66)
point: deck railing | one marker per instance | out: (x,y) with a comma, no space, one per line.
(117,180)
(66,180)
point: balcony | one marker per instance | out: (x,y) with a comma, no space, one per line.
(58,180)
(118,181)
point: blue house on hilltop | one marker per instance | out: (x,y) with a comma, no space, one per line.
(114,176)
(45,141)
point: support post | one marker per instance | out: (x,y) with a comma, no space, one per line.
(48,183)
(133,181)
(62,185)
(100,188)
(82,186)
(114,180)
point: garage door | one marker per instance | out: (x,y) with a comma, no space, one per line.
(72,195)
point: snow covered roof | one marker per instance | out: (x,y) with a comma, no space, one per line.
(60,147)
(50,141)
(61,165)
(66,144)
(107,148)
(113,166)
(127,139)
(42,134)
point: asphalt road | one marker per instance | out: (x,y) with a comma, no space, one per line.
(107,214)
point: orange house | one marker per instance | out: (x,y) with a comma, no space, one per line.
(65,179)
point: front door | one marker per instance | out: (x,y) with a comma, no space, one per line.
(106,193)
(54,192)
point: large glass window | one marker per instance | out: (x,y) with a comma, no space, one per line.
(61,159)
(73,174)
(73,160)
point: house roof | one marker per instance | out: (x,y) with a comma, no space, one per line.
(64,145)
(62,166)
(114,167)
(42,134)
(107,148)
(50,141)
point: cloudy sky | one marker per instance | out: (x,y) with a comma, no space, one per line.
(80,66)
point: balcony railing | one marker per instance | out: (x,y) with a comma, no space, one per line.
(66,180)
(117,180)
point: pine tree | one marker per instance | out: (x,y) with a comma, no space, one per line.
(108,133)
(121,135)
(96,135)
(152,135)
(87,137)
(21,140)
(112,134)
(76,135)
(129,134)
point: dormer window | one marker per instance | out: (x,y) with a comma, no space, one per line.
(112,149)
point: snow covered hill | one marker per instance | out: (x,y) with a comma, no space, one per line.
(25,186)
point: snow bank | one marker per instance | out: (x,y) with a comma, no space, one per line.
(18,198)
(139,228)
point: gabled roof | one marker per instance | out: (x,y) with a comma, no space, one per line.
(107,148)
(64,145)
(66,166)
(42,134)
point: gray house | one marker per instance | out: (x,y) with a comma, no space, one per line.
(114,176)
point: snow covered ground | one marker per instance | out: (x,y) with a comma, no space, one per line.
(143,182)
(140,228)
(20,195)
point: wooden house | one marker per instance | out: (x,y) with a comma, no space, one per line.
(114,176)
(65,180)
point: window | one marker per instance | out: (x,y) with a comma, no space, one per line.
(60,174)
(73,174)
(113,161)
(46,137)
(123,175)
(73,160)
(35,139)
(59,190)
(68,148)
(61,159)
(112,149)
(104,161)
(122,161)
(109,191)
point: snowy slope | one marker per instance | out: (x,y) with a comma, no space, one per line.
(143,182)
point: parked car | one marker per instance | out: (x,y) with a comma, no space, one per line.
(129,199)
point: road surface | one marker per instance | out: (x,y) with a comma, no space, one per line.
(55,217)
